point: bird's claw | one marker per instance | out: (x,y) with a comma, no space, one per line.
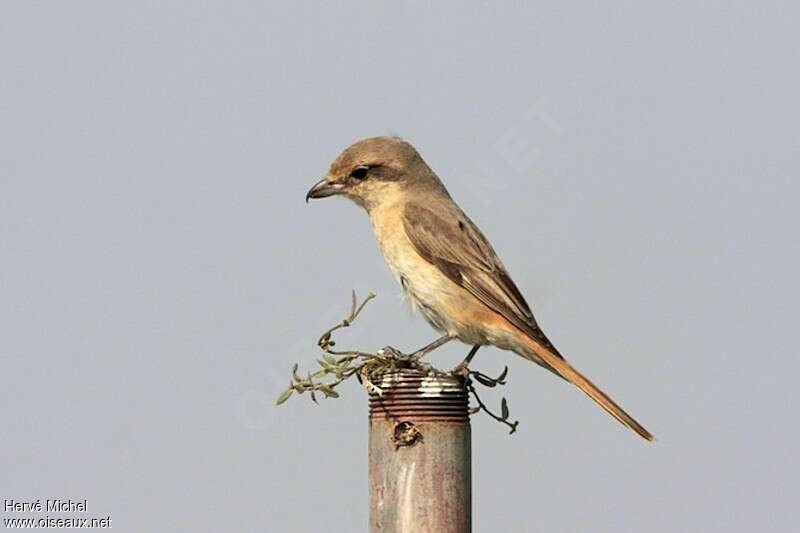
(411,360)
(416,356)
(461,369)
(389,351)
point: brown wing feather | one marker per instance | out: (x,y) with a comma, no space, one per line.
(457,247)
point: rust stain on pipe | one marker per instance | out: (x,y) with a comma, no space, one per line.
(420,478)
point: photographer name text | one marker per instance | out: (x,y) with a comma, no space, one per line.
(50,506)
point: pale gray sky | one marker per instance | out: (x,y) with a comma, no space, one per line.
(636,166)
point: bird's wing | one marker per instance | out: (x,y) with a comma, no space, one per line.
(454,244)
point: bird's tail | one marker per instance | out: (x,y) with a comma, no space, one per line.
(566,371)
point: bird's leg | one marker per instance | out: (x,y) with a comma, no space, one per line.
(463,366)
(394,352)
(414,358)
(419,354)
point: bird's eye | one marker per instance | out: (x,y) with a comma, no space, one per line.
(360,172)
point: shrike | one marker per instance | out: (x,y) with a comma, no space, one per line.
(445,265)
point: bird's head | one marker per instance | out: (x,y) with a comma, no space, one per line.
(374,171)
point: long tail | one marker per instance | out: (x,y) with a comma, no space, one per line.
(566,371)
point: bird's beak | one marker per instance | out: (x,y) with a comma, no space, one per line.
(323,188)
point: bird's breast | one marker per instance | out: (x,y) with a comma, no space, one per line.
(435,295)
(413,273)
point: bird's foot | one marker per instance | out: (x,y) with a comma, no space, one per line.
(416,356)
(461,369)
(411,360)
(425,367)
(389,351)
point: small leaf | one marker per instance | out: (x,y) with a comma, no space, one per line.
(484,380)
(504,409)
(285,395)
(328,392)
(502,376)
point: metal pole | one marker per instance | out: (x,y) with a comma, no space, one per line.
(420,478)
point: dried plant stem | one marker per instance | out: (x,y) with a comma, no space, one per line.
(339,366)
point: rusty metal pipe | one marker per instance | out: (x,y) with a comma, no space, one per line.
(420,477)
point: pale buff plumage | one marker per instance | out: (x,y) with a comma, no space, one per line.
(446,266)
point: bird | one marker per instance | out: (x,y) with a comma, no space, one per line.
(445,265)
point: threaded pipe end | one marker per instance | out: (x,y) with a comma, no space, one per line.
(413,394)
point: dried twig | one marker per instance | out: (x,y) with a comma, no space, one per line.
(485,380)
(342,365)
(339,366)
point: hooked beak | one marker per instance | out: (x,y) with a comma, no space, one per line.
(323,188)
